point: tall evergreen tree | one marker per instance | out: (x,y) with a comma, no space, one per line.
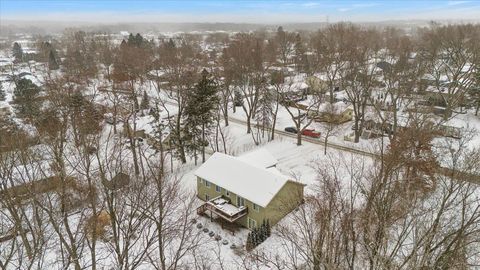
(123,45)
(249,245)
(238,98)
(269,230)
(25,97)
(2,92)
(263,230)
(264,111)
(17,52)
(475,90)
(301,60)
(255,239)
(136,41)
(200,113)
(52,62)
(145,103)
(131,40)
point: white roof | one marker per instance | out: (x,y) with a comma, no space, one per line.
(337,107)
(253,183)
(260,158)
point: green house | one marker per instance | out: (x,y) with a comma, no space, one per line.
(246,190)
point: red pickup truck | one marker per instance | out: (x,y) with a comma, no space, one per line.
(311,133)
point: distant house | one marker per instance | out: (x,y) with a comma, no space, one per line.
(317,84)
(336,113)
(246,190)
(145,130)
(119,181)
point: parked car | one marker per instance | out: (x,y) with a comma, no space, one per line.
(291,130)
(311,133)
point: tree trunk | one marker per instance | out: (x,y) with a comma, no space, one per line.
(325,146)
(448,112)
(225,115)
(299,138)
(274,122)
(114,119)
(195,151)
(203,143)
(134,154)
(357,131)
(331,95)
(108,74)
(181,148)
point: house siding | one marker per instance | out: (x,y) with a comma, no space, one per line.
(285,201)
(288,198)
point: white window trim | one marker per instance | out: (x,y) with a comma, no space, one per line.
(218,189)
(207,184)
(256,207)
(240,199)
(254,222)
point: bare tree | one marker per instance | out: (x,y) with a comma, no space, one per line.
(302,116)
(106,53)
(331,49)
(285,44)
(321,234)
(179,64)
(450,53)
(401,73)
(170,208)
(358,76)
(23,242)
(330,124)
(246,52)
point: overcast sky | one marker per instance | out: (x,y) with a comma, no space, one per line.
(107,11)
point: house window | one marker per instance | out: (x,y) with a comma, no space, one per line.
(207,198)
(207,184)
(240,201)
(256,207)
(218,189)
(252,223)
(227,192)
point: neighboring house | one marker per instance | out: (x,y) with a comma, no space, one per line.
(246,190)
(296,89)
(450,131)
(145,129)
(317,84)
(119,181)
(336,113)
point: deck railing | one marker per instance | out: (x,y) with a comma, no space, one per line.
(212,207)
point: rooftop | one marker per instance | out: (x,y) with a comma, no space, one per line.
(255,183)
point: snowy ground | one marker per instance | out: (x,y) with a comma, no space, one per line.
(299,162)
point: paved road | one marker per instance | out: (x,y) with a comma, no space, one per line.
(313,140)
(472,178)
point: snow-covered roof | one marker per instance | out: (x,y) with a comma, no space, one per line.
(24,174)
(299,86)
(260,158)
(337,107)
(258,185)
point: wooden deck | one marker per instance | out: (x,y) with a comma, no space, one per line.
(210,206)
